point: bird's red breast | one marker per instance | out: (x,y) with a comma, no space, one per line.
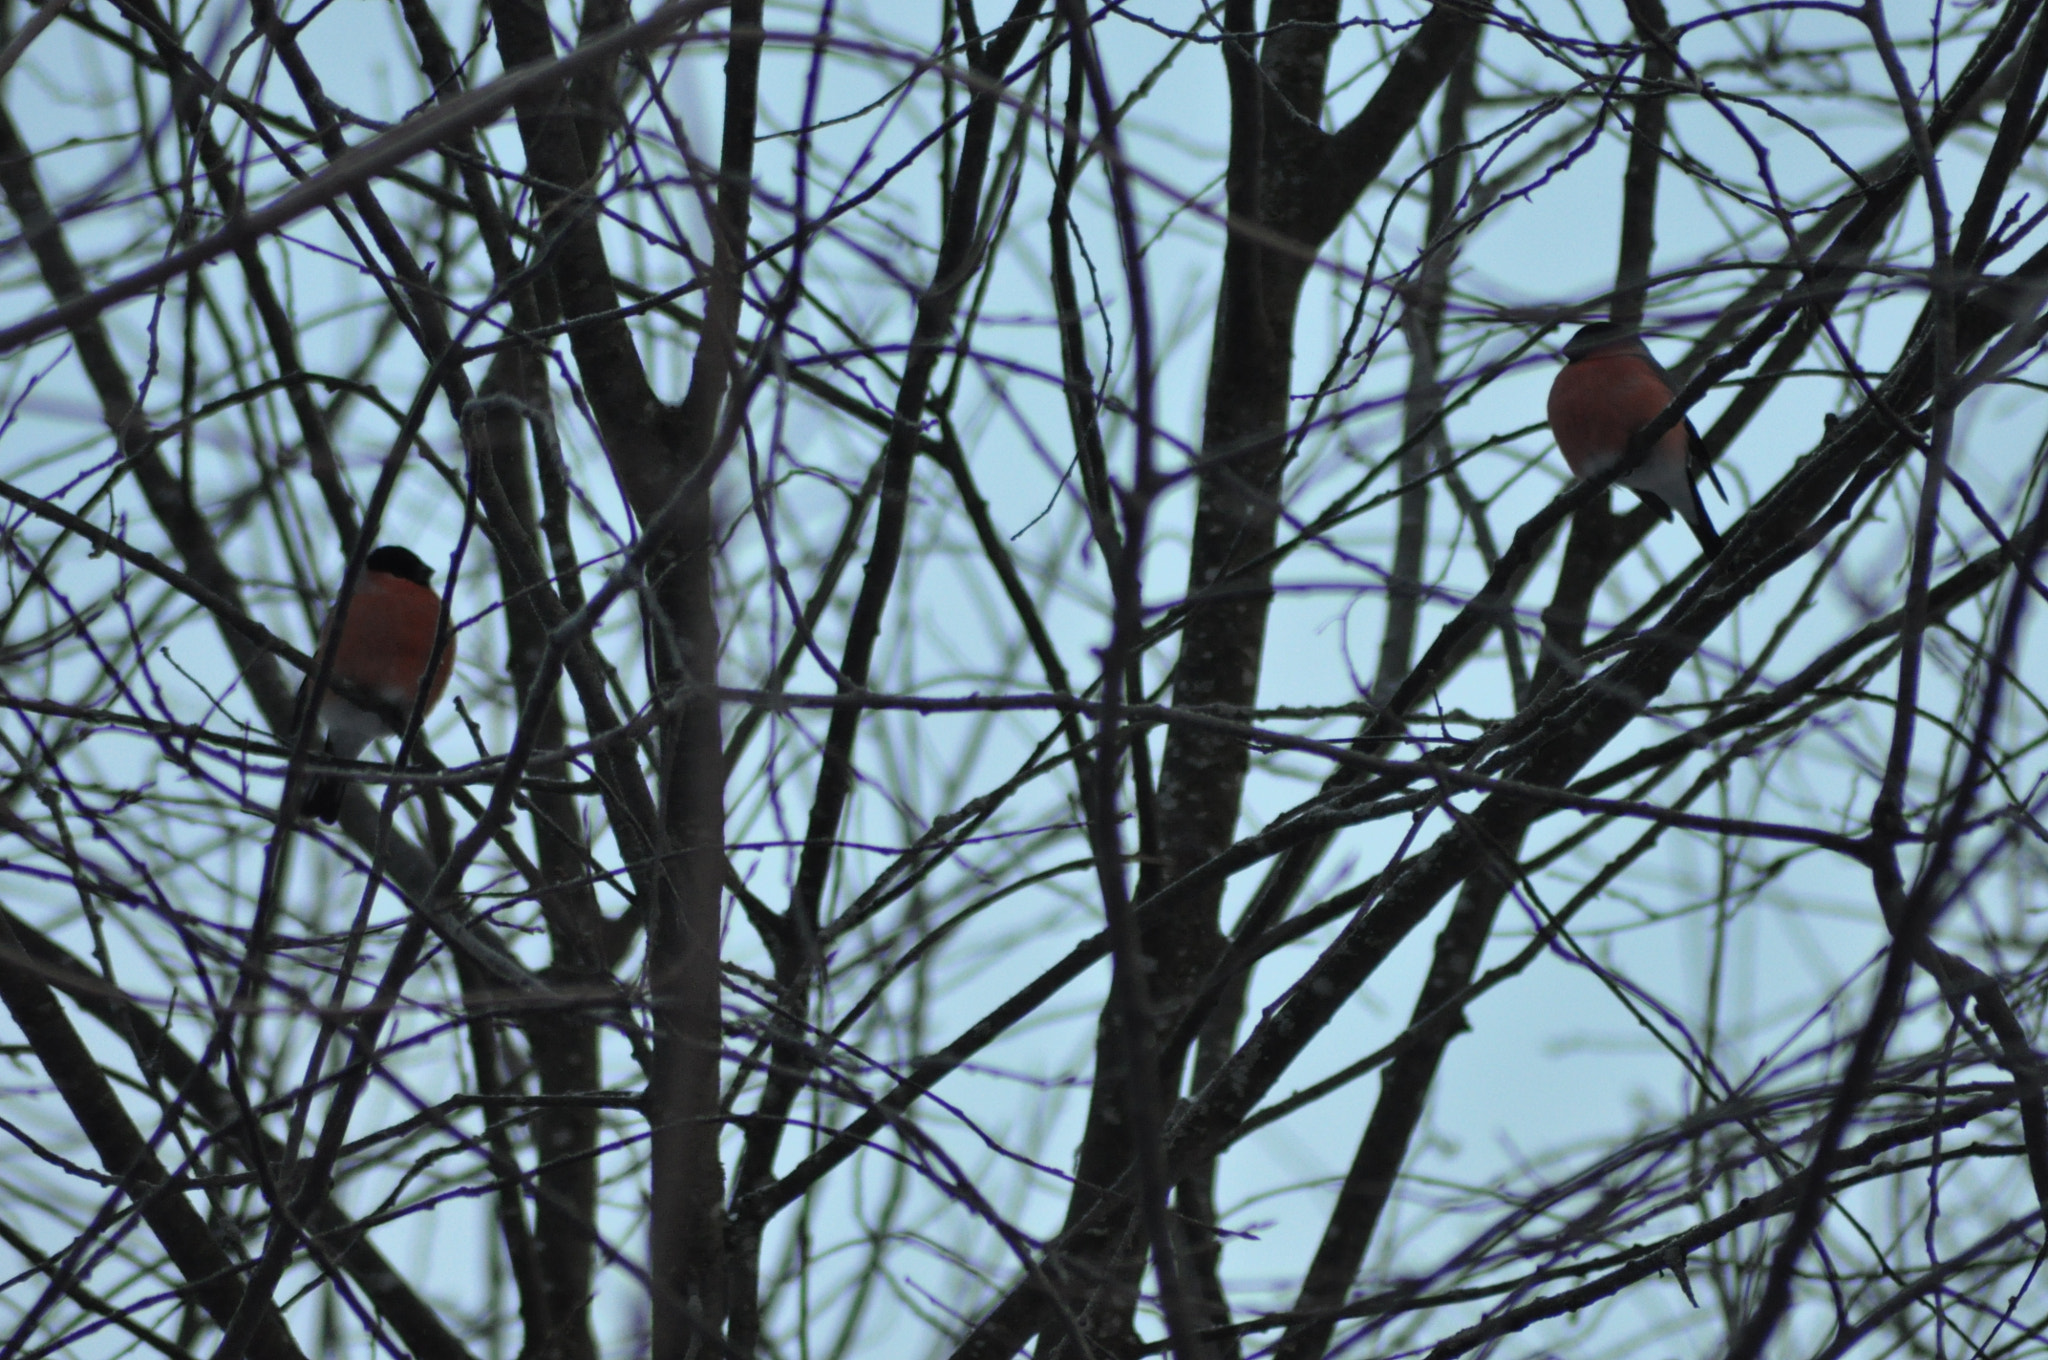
(1610,387)
(388,638)
(1599,399)
(386,641)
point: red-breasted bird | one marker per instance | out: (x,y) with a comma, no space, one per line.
(385,644)
(1610,387)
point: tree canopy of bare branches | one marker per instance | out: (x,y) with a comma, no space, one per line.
(1045,757)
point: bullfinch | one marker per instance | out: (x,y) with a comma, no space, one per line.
(1610,387)
(386,642)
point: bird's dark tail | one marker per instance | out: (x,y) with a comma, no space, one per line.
(1702,527)
(323,799)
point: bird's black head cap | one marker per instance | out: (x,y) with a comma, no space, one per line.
(1599,335)
(393,560)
